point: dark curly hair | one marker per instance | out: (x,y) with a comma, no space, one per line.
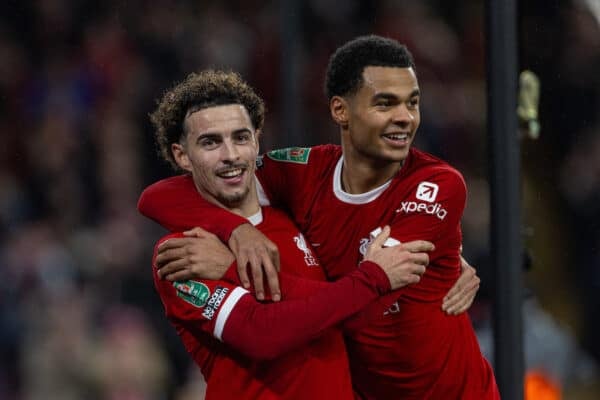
(345,69)
(198,91)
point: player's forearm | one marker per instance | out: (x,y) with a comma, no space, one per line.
(266,331)
(175,204)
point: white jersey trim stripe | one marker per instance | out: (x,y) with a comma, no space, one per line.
(226,309)
(361,198)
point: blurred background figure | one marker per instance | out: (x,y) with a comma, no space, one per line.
(78,314)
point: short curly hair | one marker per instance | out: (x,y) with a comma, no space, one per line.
(344,74)
(198,91)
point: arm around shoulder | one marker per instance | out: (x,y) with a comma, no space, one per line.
(175,204)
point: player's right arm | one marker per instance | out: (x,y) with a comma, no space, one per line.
(267,330)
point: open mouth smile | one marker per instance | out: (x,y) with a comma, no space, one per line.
(231,173)
(400,139)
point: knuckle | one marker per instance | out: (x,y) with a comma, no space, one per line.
(271,271)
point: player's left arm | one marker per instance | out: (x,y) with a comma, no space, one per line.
(433,212)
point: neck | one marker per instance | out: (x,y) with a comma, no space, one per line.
(361,174)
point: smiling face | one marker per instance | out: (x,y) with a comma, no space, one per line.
(380,120)
(219,148)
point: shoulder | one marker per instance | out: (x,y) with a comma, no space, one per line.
(428,167)
(305,155)
(154,196)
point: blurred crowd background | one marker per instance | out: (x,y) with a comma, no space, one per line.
(79,318)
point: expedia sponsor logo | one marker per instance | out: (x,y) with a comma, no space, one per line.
(214,302)
(410,207)
(427,191)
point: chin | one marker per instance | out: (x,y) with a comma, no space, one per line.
(233,199)
(395,155)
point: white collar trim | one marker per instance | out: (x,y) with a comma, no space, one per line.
(263,200)
(257,218)
(361,198)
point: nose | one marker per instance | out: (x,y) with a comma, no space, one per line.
(402,115)
(229,151)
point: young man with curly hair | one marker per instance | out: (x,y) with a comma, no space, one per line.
(340,195)
(208,125)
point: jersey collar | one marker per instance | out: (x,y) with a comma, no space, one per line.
(256,219)
(361,198)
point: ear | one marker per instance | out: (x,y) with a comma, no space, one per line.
(181,157)
(338,107)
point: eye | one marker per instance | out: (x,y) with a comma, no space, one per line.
(208,143)
(414,102)
(242,137)
(382,104)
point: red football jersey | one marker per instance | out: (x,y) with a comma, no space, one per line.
(201,310)
(411,349)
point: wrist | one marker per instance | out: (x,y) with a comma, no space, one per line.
(228,225)
(378,275)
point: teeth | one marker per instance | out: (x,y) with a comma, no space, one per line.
(397,136)
(231,173)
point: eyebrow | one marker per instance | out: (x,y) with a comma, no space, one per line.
(242,130)
(391,96)
(215,133)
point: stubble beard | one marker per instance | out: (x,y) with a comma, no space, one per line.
(233,200)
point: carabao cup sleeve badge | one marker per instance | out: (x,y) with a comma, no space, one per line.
(195,293)
(297,155)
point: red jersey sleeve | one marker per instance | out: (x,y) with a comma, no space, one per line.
(201,305)
(176,204)
(433,212)
(268,330)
